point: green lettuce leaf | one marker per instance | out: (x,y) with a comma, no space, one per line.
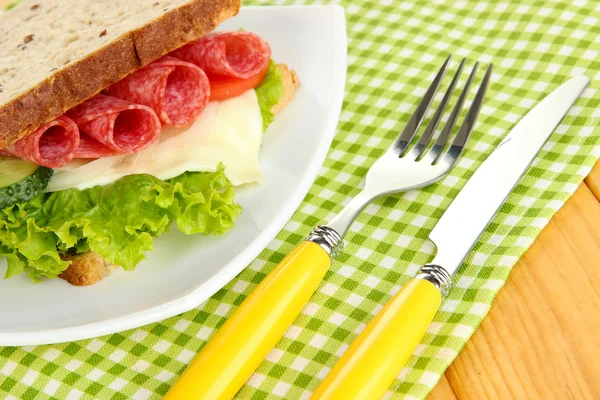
(269,92)
(118,221)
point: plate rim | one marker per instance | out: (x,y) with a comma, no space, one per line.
(244,258)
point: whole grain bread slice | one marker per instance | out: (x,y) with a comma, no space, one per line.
(57,54)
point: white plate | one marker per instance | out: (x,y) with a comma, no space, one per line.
(186,270)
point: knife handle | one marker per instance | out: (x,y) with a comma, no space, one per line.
(241,344)
(378,354)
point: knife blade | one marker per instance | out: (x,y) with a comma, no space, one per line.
(378,354)
(492,182)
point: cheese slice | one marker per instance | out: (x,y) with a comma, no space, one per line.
(228,132)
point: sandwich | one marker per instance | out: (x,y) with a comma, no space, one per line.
(117,123)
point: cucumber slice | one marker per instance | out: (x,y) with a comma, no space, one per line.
(21,180)
(13,170)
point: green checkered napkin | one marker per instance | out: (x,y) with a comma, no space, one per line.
(394,49)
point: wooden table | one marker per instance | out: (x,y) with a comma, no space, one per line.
(541,339)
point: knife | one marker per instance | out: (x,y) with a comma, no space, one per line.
(370,365)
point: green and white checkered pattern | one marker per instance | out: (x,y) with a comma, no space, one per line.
(395,47)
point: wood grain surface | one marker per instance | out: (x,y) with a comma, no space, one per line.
(541,339)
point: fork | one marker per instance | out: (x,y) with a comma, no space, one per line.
(231,356)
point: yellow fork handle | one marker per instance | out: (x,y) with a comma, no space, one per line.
(376,357)
(231,356)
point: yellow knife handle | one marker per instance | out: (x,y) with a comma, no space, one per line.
(227,361)
(378,354)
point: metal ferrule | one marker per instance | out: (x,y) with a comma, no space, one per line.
(328,239)
(438,276)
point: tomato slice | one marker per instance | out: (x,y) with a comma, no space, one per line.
(226,87)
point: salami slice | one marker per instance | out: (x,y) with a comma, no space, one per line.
(91,148)
(118,125)
(52,145)
(238,54)
(176,90)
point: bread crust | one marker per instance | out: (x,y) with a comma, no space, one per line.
(291,83)
(86,268)
(79,81)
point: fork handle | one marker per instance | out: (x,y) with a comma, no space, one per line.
(231,356)
(378,354)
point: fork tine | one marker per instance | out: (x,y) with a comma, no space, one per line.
(469,123)
(421,146)
(440,143)
(417,118)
